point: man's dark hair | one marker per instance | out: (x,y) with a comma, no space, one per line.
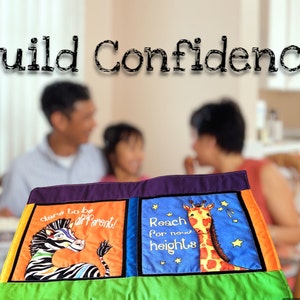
(61,96)
(224,121)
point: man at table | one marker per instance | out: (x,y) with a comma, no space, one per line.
(64,156)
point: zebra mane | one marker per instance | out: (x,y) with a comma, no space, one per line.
(38,240)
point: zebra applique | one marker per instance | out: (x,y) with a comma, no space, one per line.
(58,235)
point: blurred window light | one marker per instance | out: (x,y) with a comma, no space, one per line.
(22,124)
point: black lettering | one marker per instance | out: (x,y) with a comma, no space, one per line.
(34,66)
(222,65)
(239,55)
(284,51)
(116,68)
(197,66)
(178,54)
(140,57)
(259,54)
(17,64)
(73,65)
(151,53)
(47,67)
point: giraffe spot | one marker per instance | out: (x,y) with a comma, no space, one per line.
(204,253)
(214,254)
(226,266)
(209,243)
(206,221)
(211,264)
(193,221)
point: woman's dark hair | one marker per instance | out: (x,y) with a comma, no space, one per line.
(115,133)
(224,121)
(61,96)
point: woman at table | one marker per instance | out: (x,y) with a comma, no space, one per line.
(218,133)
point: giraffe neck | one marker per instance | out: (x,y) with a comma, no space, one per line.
(212,257)
(210,260)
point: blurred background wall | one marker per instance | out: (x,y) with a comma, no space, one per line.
(159,103)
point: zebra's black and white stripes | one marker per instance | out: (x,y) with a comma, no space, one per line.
(55,236)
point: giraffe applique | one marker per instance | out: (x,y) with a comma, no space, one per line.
(212,257)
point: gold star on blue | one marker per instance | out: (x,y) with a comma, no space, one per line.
(237,243)
(155,206)
(178,260)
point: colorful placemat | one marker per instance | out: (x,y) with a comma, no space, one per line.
(171,237)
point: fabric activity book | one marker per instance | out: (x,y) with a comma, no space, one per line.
(170,237)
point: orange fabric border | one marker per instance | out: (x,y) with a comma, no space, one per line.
(262,232)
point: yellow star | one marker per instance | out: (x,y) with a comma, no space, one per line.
(235,220)
(155,206)
(162,262)
(178,260)
(169,214)
(224,203)
(237,243)
(220,208)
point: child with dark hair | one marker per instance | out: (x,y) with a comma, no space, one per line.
(124,150)
(218,130)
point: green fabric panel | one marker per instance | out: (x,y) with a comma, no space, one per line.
(258,285)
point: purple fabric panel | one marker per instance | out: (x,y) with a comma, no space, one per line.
(164,185)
